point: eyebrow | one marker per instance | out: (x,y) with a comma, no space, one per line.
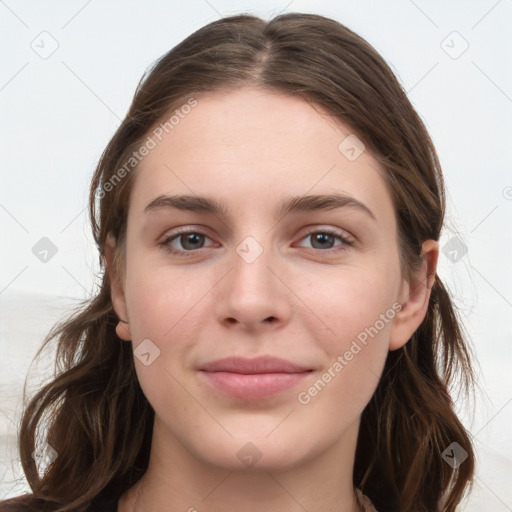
(293,204)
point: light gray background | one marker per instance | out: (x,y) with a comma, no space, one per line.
(58,112)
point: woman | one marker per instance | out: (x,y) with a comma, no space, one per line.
(270,333)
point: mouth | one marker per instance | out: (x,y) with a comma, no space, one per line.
(253,379)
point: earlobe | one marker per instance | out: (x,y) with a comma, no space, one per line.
(415,297)
(123,330)
(117,290)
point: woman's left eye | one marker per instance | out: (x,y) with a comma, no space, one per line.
(191,241)
(325,240)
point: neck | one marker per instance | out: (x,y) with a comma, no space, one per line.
(178,481)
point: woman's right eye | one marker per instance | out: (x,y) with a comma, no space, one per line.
(184,242)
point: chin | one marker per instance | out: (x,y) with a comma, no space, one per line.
(257,452)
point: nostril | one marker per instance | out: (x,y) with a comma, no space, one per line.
(232,320)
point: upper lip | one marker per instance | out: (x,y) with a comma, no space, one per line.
(261,364)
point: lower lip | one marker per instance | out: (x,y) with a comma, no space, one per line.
(253,386)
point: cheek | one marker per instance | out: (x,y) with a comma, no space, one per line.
(160,301)
(354,362)
(162,308)
(354,301)
(359,314)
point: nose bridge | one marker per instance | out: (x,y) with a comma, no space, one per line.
(251,276)
(251,293)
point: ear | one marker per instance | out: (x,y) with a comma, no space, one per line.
(117,289)
(414,297)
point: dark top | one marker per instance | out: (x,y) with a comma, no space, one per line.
(107,503)
(25,503)
(104,504)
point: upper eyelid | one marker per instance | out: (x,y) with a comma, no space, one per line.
(343,233)
(185,231)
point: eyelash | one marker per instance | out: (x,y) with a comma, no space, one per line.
(165,244)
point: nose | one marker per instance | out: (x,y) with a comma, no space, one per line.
(252,296)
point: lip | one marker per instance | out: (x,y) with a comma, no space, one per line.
(261,364)
(253,379)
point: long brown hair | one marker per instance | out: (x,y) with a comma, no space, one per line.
(99,421)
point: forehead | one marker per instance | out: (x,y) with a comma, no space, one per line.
(250,145)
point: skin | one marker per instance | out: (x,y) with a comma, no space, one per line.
(252,149)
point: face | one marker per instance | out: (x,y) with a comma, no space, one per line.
(304,296)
